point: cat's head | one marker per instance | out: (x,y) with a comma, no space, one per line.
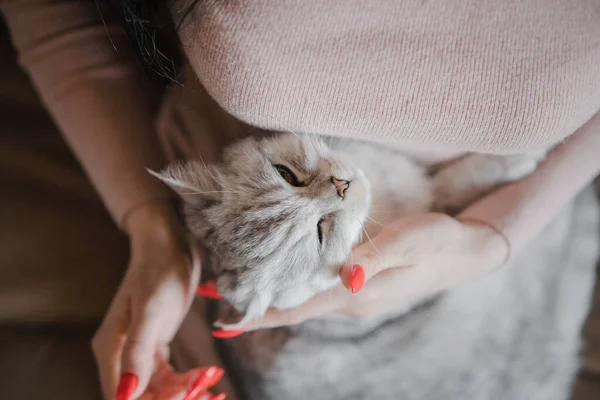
(280,214)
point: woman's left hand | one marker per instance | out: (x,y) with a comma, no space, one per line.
(413,257)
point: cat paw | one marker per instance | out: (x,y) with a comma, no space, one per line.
(521,169)
(466,180)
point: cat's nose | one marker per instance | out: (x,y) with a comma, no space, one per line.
(340,185)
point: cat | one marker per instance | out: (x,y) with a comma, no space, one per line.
(280,213)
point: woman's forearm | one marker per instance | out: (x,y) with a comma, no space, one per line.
(89,81)
(521,210)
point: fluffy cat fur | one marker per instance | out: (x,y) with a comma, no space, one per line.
(275,240)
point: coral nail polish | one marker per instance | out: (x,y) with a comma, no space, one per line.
(220,396)
(224,334)
(127,386)
(209,290)
(357,278)
(207,378)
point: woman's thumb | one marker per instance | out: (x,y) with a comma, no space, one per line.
(365,263)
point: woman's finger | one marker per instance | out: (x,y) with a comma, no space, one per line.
(108,347)
(153,323)
(204,379)
(321,304)
(367,261)
(144,341)
(163,375)
(168,385)
(401,244)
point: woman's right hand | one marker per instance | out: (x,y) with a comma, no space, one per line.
(150,304)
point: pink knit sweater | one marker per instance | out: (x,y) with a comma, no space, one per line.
(491,76)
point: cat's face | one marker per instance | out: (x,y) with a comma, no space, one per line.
(280,215)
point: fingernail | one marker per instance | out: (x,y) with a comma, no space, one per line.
(207,378)
(224,334)
(357,278)
(209,290)
(220,396)
(127,386)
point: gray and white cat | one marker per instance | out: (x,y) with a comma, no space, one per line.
(279,214)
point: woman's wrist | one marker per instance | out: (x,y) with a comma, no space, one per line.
(156,221)
(489,241)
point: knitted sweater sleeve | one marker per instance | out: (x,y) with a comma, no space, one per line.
(80,64)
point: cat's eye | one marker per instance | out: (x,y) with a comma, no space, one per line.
(287,175)
(320,230)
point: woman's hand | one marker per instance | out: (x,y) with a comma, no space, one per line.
(413,257)
(165,384)
(150,304)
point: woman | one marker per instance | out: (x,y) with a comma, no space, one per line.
(436,82)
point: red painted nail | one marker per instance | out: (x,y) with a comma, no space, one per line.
(220,396)
(127,386)
(357,278)
(223,334)
(207,378)
(209,289)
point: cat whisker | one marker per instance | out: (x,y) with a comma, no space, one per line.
(385,226)
(309,141)
(252,128)
(218,255)
(367,234)
(340,142)
(370,241)
(375,221)
(308,135)
(319,142)
(324,140)
(208,170)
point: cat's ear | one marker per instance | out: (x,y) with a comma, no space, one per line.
(194,182)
